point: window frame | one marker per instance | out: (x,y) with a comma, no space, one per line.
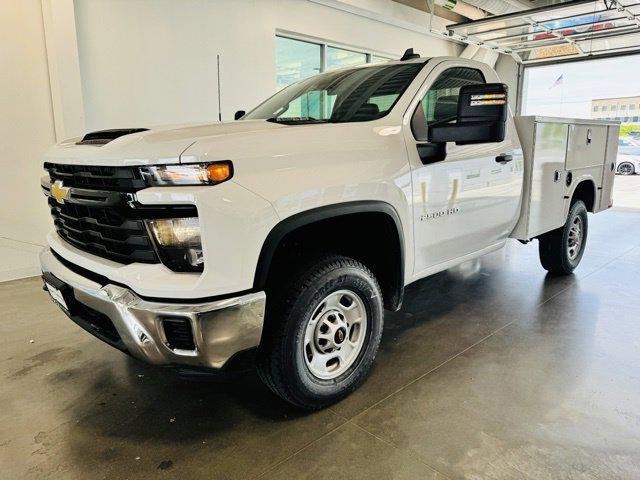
(418,137)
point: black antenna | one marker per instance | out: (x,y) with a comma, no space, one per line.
(409,55)
(219,97)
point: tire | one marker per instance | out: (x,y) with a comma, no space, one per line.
(626,168)
(296,317)
(561,250)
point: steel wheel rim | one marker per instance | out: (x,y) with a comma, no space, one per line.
(335,334)
(574,240)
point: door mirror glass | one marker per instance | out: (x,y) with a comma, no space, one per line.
(480,117)
(239,114)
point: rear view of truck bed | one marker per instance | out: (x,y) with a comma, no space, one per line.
(559,154)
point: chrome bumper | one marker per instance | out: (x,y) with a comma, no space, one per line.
(220,328)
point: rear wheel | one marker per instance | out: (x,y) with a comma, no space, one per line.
(323,331)
(561,250)
(626,168)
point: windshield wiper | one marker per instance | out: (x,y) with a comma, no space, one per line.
(295,120)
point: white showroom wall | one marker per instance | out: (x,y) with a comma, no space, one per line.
(149,62)
(26,131)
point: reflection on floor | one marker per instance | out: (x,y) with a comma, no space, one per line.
(493,370)
(626,191)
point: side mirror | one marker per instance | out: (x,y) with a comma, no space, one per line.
(239,114)
(481,118)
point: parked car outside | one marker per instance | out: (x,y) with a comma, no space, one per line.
(628,160)
(627,164)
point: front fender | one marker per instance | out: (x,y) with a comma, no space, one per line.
(307,217)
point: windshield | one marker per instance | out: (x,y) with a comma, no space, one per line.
(353,95)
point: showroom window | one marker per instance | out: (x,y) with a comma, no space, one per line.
(378,59)
(298,59)
(338,58)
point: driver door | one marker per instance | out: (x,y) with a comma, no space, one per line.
(466,199)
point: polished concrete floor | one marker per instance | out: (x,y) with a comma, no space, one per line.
(490,371)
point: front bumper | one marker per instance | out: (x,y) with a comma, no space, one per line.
(220,328)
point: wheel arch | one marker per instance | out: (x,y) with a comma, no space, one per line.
(586,191)
(393,288)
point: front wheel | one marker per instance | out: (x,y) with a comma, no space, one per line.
(322,334)
(561,250)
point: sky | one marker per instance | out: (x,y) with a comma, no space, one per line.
(582,82)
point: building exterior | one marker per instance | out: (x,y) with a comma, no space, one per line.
(624,109)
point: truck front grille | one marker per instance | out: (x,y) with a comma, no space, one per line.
(101,216)
(121,179)
(108,232)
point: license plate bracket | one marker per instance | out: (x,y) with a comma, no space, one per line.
(60,292)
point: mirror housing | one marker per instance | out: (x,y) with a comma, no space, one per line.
(239,114)
(481,117)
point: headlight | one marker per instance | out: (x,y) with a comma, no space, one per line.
(187,174)
(178,242)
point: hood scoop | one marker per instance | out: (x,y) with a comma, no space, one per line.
(102,137)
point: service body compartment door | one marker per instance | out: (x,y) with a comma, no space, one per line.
(609,170)
(546,211)
(586,146)
(543,203)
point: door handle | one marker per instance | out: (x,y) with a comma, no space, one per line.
(504,158)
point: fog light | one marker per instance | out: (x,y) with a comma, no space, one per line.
(179,244)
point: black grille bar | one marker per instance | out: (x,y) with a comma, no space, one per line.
(108,232)
(121,179)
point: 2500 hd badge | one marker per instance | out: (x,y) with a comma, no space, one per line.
(441,213)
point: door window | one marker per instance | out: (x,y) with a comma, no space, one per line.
(440,103)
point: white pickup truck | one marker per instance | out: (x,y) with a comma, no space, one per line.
(283,236)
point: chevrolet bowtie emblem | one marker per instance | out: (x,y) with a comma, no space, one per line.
(60,192)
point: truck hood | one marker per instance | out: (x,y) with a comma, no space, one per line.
(159,145)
